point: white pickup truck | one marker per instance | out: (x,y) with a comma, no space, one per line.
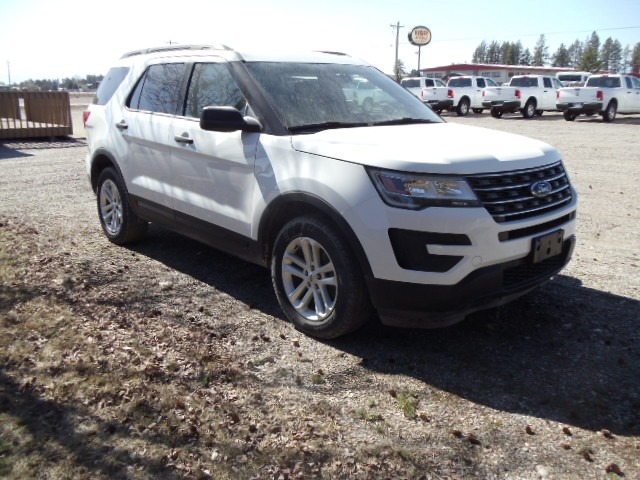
(431,91)
(466,93)
(530,94)
(606,95)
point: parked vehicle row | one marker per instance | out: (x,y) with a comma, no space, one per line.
(532,95)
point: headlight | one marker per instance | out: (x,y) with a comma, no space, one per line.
(415,191)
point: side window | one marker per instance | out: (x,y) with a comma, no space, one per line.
(159,89)
(635,81)
(547,82)
(110,84)
(428,83)
(629,84)
(481,83)
(212,85)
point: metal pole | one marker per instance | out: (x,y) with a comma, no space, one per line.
(397,26)
(9,72)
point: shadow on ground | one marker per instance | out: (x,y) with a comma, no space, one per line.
(565,353)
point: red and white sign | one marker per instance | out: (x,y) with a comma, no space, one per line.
(420,36)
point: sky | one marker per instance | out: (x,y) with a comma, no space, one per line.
(56,39)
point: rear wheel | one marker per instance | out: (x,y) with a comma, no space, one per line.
(529,109)
(317,280)
(463,107)
(609,115)
(118,221)
(570,116)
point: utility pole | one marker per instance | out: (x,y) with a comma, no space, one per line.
(397,27)
(9,73)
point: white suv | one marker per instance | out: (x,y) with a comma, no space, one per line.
(355,210)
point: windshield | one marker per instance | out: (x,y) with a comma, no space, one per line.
(310,96)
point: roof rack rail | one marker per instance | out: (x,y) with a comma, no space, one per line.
(173,48)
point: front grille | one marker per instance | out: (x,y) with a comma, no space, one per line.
(507,196)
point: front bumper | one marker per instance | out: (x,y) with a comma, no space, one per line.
(431,306)
(579,107)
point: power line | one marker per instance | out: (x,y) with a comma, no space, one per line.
(544,33)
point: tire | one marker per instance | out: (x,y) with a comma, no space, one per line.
(478,110)
(118,221)
(529,109)
(609,114)
(463,107)
(496,113)
(539,113)
(570,116)
(332,301)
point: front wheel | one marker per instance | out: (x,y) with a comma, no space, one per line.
(609,115)
(317,280)
(463,107)
(118,221)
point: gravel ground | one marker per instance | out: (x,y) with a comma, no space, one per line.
(169,359)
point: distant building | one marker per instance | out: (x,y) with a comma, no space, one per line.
(498,73)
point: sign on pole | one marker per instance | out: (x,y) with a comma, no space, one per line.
(419,36)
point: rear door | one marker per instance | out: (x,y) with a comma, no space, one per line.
(635,98)
(145,125)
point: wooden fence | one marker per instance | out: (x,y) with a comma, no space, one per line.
(34,114)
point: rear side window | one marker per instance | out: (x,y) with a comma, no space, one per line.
(212,85)
(110,84)
(411,83)
(158,90)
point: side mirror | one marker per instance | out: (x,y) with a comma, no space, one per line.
(227,119)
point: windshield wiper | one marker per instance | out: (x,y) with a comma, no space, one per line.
(326,126)
(403,121)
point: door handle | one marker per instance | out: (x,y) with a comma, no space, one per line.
(122,125)
(184,138)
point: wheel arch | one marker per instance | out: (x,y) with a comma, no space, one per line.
(102,159)
(295,204)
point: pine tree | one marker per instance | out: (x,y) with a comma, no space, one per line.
(540,52)
(561,58)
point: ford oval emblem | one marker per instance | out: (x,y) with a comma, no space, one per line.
(541,189)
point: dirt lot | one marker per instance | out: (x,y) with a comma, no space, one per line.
(172,360)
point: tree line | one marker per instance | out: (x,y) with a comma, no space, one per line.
(590,55)
(90,82)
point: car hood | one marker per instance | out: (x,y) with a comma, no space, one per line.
(431,148)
